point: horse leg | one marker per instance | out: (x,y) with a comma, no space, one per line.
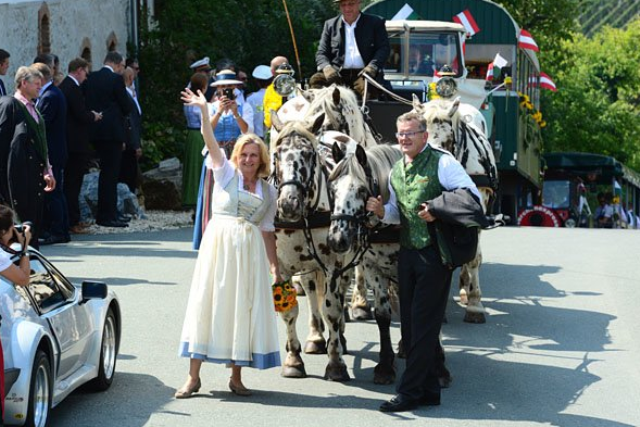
(475,312)
(314,286)
(384,372)
(360,307)
(293,366)
(296,282)
(332,312)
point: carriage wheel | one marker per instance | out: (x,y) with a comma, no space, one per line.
(538,216)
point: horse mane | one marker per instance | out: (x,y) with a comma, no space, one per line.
(323,101)
(295,128)
(438,109)
(380,159)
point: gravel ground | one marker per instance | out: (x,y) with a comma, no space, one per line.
(152,221)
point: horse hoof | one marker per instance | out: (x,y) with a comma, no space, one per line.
(294,372)
(337,372)
(361,313)
(464,300)
(470,317)
(384,375)
(315,347)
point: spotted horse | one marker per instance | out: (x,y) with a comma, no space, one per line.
(358,175)
(339,107)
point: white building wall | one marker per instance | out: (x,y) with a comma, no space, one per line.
(71,21)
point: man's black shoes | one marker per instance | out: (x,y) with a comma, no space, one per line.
(399,404)
(52,240)
(429,400)
(124,218)
(119,224)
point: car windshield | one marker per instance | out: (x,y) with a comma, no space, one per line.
(425,54)
(556,194)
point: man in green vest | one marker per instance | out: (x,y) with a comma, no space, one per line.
(422,175)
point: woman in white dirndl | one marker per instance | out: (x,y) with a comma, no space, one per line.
(230,315)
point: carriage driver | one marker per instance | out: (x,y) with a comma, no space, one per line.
(422,174)
(353,43)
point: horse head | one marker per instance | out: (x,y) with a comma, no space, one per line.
(442,120)
(348,192)
(460,129)
(342,113)
(359,174)
(296,168)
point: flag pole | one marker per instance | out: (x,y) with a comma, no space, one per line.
(293,38)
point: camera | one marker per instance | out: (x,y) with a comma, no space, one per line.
(229,93)
(20,228)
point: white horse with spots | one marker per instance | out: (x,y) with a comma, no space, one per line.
(358,175)
(459,134)
(339,105)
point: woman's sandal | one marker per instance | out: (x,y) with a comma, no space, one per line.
(240,391)
(185,393)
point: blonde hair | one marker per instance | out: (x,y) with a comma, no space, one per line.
(251,138)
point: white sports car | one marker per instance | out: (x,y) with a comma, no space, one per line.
(56,337)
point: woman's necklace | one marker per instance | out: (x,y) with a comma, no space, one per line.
(249,186)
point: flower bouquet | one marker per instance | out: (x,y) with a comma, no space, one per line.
(284,296)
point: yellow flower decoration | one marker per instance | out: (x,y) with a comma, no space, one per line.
(284,296)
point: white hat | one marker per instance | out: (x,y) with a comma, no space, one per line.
(262,72)
(200,63)
(226,77)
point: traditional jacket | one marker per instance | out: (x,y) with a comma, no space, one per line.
(414,183)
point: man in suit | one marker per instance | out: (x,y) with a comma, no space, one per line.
(105,93)
(25,173)
(352,44)
(129,172)
(53,108)
(422,174)
(79,118)
(4,66)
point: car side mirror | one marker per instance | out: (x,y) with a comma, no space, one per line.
(93,290)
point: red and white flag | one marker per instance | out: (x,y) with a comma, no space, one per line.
(546,82)
(496,65)
(525,41)
(466,19)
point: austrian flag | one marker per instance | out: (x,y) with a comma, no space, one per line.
(546,82)
(525,41)
(466,19)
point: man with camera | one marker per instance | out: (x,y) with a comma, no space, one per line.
(229,117)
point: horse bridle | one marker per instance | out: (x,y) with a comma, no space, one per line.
(313,205)
(360,220)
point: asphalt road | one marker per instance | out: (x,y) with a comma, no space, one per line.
(560,346)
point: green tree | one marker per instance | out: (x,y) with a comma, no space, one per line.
(250,32)
(597,106)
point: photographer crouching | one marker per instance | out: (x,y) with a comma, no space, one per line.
(18,275)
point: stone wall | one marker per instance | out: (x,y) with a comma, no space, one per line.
(73,26)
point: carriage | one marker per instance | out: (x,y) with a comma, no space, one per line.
(513,132)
